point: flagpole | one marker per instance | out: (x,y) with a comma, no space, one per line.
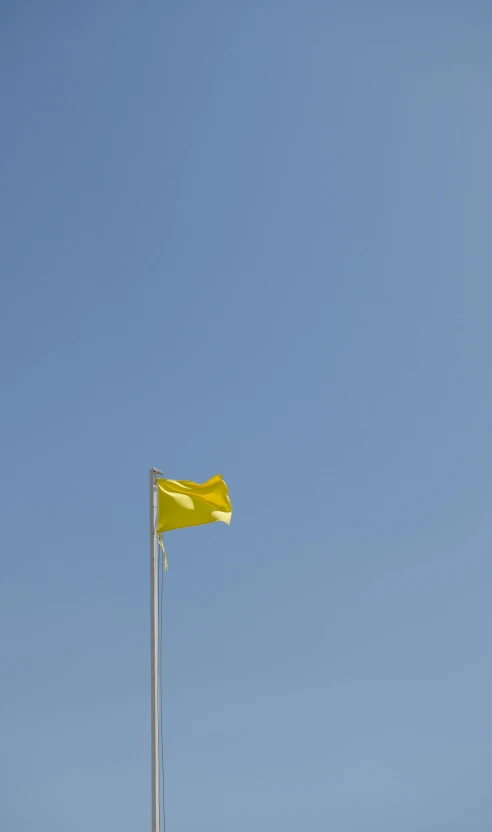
(154,652)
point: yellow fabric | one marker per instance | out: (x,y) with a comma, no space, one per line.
(181,503)
(164,556)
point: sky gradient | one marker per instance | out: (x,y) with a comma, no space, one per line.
(250,239)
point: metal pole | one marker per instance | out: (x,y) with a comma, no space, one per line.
(154,644)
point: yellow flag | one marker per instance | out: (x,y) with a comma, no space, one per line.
(181,503)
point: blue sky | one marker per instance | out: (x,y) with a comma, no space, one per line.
(254,239)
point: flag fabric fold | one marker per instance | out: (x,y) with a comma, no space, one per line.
(181,503)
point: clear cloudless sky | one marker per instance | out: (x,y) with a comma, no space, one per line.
(250,238)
